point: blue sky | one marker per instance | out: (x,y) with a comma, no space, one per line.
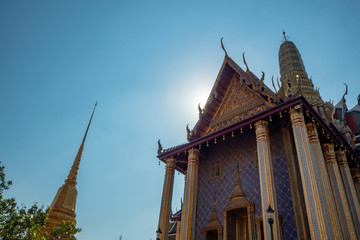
(149,64)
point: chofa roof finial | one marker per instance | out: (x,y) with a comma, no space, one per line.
(222,46)
(346,91)
(247,68)
(160,148)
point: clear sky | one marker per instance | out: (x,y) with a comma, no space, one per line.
(149,64)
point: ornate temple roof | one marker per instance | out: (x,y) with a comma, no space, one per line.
(236,95)
(239,98)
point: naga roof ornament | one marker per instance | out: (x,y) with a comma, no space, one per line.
(222,46)
(247,68)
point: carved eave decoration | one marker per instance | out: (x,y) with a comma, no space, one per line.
(235,96)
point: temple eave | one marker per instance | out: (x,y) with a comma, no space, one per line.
(338,139)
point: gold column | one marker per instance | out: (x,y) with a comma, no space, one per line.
(183,206)
(356,177)
(349,188)
(326,196)
(267,184)
(191,195)
(258,230)
(225,225)
(251,222)
(178,226)
(220,234)
(342,204)
(307,164)
(302,226)
(165,209)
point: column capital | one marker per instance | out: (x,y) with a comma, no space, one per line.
(329,153)
(355,172)
(296,117)
(193,157)
(312,133)
(341,158)
(170,164)
(261,130)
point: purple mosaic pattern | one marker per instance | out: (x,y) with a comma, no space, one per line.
(282,185)
(242,151)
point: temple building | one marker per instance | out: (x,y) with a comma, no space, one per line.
(264,164)
(64,203)
(348,121)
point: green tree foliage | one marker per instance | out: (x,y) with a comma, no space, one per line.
(19,222)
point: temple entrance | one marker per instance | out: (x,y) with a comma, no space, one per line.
(238,215)
(211,235)
(213,230)
(237,224)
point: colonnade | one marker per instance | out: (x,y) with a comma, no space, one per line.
(330,197)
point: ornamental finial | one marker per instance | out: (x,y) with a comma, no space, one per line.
(160,148)
(346,91)
(222,46)
(247,68)
(200,110)
(262,77)
(272,80)
(284,36)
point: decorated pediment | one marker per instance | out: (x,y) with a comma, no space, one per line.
(236,96)
(240,102)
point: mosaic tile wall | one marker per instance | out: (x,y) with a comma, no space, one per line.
(242,151)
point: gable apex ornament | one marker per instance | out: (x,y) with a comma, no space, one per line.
(160,148)
(223,48)
(247,68)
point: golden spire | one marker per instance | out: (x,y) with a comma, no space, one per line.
(71,179)
(64,203)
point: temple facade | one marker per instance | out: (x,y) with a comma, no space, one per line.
(262,163)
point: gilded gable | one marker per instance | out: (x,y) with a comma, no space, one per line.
(235,96)
(240,102)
